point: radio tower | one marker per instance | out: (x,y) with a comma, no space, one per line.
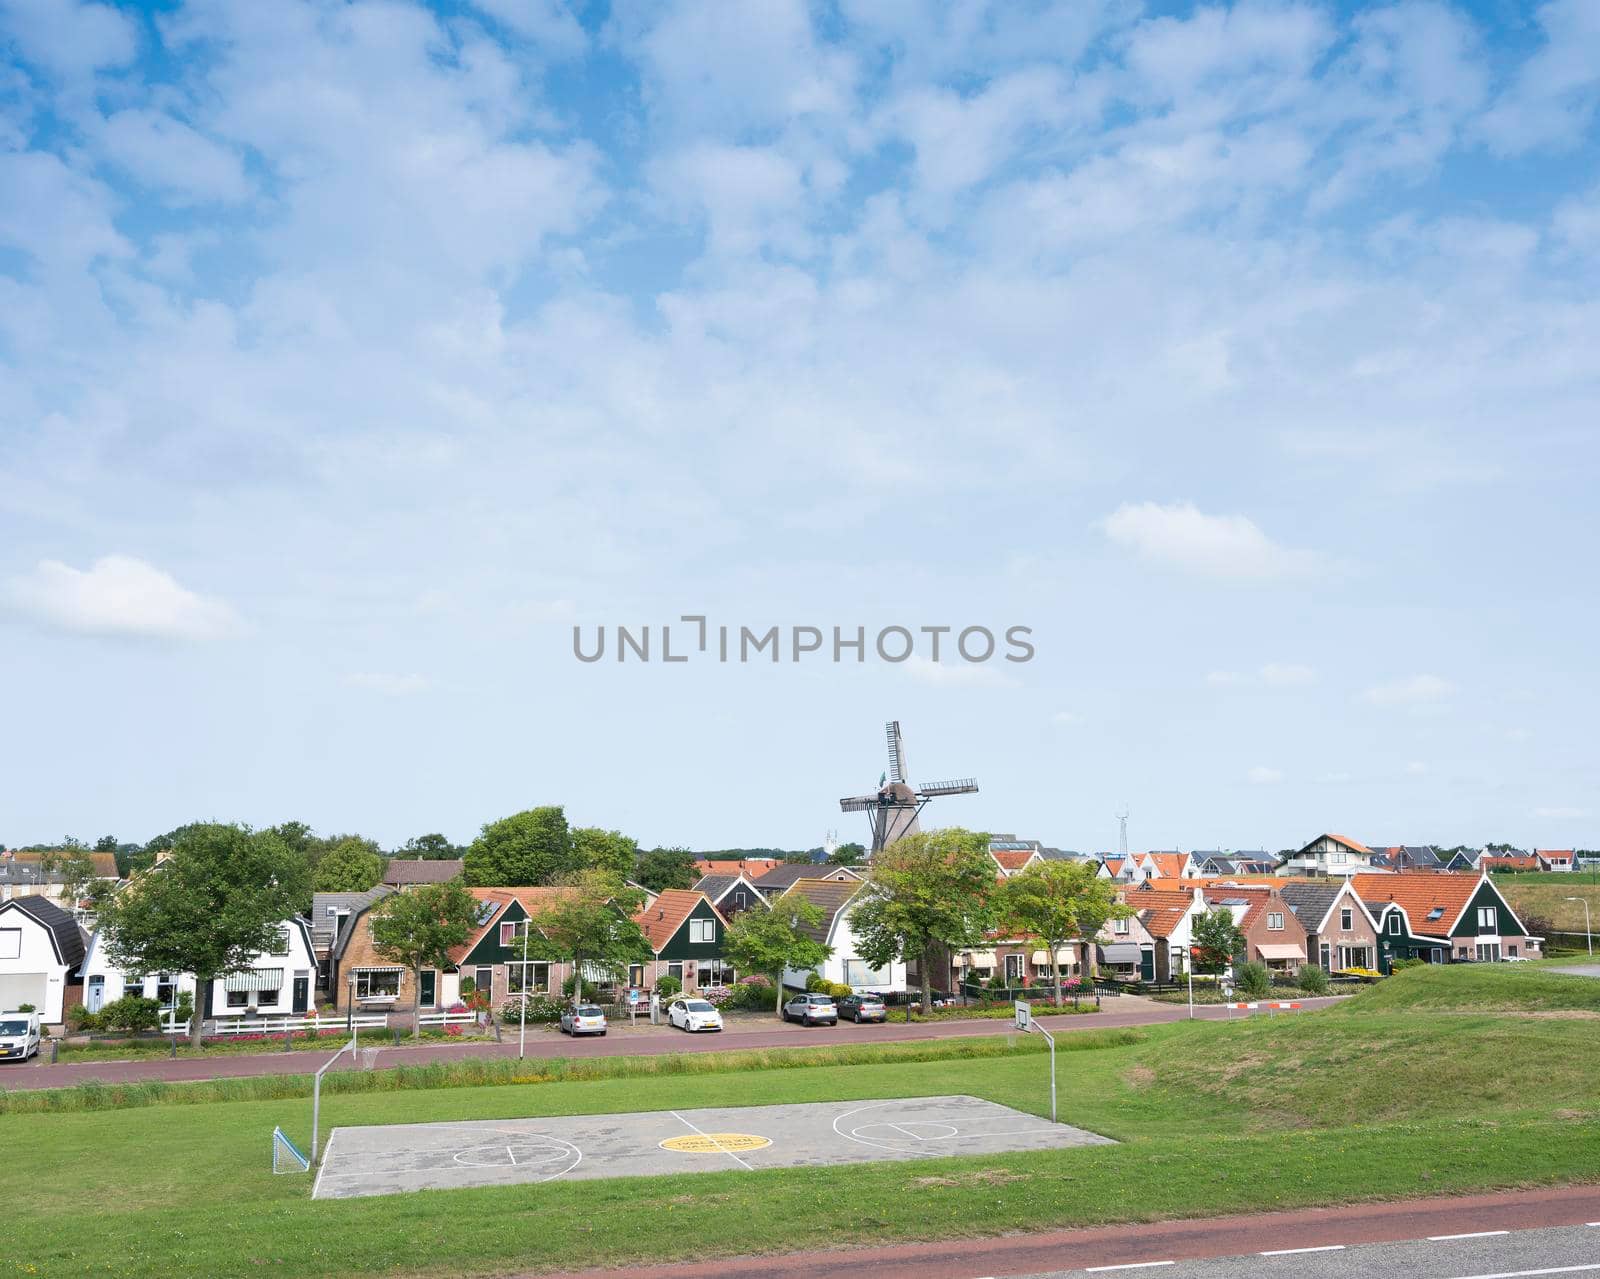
(1122,835)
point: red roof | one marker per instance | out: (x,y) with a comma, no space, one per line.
(1521,861)
(1013,859)
(663,917)
(1418,893)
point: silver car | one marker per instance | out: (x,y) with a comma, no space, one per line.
(812,1010)
(583,1019)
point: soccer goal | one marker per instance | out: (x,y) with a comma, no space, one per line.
(286,1156)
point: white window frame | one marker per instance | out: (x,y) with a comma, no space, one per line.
(1021,961)
(8,949)
(1275,921)
(1347,919)
(702,932)
(1488,920)
(1394,924)
(1119,927)
(364,983)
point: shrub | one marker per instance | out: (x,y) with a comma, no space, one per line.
(837,989)
(667,986)
(1253,980)
(131,1013)
(468,986)
(80,1018)
(816,984)
(750,995)
(1400,965)
(716,996)
(541,1008)
(26,1008)
(1313,980)
(756,979)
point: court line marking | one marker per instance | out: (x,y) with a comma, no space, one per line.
(491,1126)
(1470,1234)
(1128,1265)
(327,1149)
(712,1140)
(1289,1252)
(1520,1274)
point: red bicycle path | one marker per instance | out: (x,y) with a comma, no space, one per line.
(1190,1240)
(624,1042)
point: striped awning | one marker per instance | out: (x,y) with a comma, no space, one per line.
(1041,958)
(1281,950)
(1120,952)
(256,979)
(979,958)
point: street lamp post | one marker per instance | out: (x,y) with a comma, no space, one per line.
(522,1033)
(1587,929)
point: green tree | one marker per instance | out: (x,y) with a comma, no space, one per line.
(848,855)
(220,900)
(351,865)
(799,857)
(106,844)
(528,848)
(929,891)
(433,847)
(771,941)
(75,868)
(419,928)
(1216,940)
(591,925)
(607,850)
(664,868)
(296,835)
(1057,903)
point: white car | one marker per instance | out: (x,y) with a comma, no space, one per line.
(693,1014)
(19,1036)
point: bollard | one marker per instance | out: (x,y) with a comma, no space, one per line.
(55,1052)
(288,1041)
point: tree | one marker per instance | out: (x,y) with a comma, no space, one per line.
(419,928)
(664,868)
(1059,902)
(1216,940)
(607,850)
(297,835)
(528,848)
(75,868)
(929,890)
(591,925)
(429,848)
(351,865)
(771,941)
(848,855)
(106,844)
(800,857)
(220,900)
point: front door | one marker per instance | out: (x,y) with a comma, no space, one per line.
(429,994)
(96,993)
(302,993)
(1147,963)
(1014,969)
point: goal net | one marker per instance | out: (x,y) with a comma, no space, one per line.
(286,1156)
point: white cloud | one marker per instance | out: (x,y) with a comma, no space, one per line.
(117,595)
(67,37)
(1562,813)
(956,675)
(1182,537)
(1552,98)
(165,153)
(1263,776)
(549,25)
(387,684)
(1418,690)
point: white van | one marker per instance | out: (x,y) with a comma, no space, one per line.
(19,1036)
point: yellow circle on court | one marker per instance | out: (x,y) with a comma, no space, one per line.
(716,1143)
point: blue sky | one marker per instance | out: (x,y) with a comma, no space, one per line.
(351,354)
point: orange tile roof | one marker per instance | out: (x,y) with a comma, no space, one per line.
(1346,840)
(1012,858)
(1160,910)
(1504,862)
(664,916)
(1114,865)
(1169,864)
(749,866)
(1417,893)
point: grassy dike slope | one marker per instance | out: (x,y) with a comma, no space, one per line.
(1367,1101)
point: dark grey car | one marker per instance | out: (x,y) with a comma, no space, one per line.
(812,1010)
(859,1008)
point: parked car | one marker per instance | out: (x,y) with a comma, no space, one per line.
(19,1035)
(583,1019)
(693,1014)
(860,1008)
(812,1010)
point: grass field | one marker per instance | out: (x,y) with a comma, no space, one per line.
(1402,1091)
(1545,895)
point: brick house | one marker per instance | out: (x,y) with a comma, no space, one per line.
(1273,935)
(1340,931)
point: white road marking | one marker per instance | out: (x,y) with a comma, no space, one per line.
(1520,1274)
(712,1140)
(512,1156)
(1471,1234)
(1289,1252)
(327,1149)
(1128,1265)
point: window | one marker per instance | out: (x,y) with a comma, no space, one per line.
(702,931)
(1336,858)
(1512,951)
(713,972)
(281,945)
(1119,927)
(636,975)
(1347,919)
(167,990)
(675,969)
(857,972)
(10,943)
(1014,968)
(510,933)
(739,900)
(1486,920)
(371,983)
(538,977)
(483,982)
(1394,924)
(1275,920)
(238,999)
(332,911)
(1461,952)
(1327,956)
(1436,914)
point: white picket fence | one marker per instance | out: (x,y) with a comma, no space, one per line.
(449,1019)
(282,1025)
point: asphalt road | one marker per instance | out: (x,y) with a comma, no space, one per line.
(1580,970)
(1126,1010)
(1497,1236)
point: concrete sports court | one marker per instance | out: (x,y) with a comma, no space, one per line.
(390,1158)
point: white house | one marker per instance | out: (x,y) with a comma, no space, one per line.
(277,984)
(836,900)
(41,948)
(1329,855)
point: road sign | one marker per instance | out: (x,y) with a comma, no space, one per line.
(1024,1012)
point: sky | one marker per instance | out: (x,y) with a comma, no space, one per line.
(353,354)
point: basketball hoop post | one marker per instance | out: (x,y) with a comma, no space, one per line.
(316,1088)
(1025,1021)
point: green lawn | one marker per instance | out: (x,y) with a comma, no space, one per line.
(1546,896)
(1505,988)
(1302,1109)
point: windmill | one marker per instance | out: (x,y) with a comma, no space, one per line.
(1122,835)
(894,809)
